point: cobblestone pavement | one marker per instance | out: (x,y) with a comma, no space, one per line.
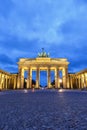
(43,110)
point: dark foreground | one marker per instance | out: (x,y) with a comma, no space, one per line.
(43,110)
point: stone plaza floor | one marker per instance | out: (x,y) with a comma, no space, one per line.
(43,110)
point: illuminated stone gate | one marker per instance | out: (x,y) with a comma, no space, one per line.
(43,62)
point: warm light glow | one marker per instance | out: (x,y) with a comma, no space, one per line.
(60,80)
(82,76)
(60,90)
(42,88)
(26,80)
(25,91)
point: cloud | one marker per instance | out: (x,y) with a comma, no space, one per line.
(4,59)
(36,20)
(58,26)
(51,22)
(7,63)
(5,7)
(11,68)
(80,2)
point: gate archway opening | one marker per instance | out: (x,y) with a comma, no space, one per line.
(43,79)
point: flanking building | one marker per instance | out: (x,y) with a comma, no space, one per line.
(8,80)
(43,63)
(78,80)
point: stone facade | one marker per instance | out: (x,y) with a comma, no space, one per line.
(41,63)
(78,80)
(8,80)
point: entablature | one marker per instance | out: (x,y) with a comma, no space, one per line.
(43,60)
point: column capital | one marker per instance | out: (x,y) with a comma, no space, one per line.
(19,67)
(37,68)
(57,67)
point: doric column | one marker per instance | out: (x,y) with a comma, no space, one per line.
(69,85)
(65,73)
(76,82)
(29,78)
(58,78)
(79,82)
(71,82)
(10,82)
(37,77)
(14,82)
(11,85)
(21,78)
(84,80)
(3,81)
(6,82)
(48,77)
(0,81)
(57,84)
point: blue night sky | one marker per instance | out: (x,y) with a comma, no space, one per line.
(28,25)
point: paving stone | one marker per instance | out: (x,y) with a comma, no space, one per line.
(43,110)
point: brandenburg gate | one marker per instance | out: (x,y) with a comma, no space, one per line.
(41,63)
